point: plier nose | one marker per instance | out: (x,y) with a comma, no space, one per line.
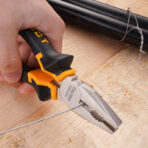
(93,108)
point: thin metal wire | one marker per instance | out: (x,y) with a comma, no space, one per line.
(37,121)
(134,28)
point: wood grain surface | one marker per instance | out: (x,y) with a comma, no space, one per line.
(113,69)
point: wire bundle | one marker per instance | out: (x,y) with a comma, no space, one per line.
(103,17)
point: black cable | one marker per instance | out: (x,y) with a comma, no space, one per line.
(113,27)
(111,11)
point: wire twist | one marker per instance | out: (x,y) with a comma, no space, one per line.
(141,51)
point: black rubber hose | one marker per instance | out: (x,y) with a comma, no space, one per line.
(113,27)
(111,11)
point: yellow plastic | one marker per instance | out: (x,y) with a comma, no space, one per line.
(58,78)
(43,79)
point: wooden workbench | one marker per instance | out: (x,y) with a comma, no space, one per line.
(113,69)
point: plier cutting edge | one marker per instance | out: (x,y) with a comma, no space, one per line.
(57,80)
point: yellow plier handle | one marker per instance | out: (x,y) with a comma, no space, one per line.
(54,66)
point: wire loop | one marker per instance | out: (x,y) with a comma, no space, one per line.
(141,51)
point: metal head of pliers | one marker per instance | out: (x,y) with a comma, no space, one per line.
(93,108)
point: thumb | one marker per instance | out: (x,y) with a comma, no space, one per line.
(10,61)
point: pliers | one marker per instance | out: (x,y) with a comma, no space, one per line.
(57,80)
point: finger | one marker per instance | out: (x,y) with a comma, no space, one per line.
(1,77)
(26,88)
(32,61)
(27,56)
(20,39)
(53,27)
(56,42)
(25,52)
(16,85)
(10,61)
(54,30)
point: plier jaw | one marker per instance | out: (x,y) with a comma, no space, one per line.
(93,108)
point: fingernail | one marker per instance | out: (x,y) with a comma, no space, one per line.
(12,77)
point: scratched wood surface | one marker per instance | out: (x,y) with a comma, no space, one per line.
(113,69)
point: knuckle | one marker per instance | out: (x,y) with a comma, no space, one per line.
(8,64)
(56,36)
(62,24)
(58,31)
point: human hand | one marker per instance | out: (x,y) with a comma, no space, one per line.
(16,15)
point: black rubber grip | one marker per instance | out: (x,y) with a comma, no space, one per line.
(52,60)
(44,93)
